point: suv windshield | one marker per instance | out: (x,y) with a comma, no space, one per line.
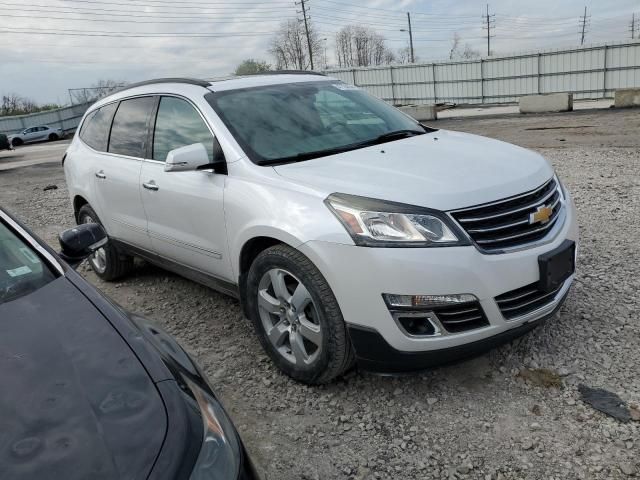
(298,121)
(21,269)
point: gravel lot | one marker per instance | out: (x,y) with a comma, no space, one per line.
(488,418)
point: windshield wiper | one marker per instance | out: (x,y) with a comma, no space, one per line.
(396,134)
(385,137)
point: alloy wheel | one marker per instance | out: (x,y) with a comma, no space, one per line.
(289,317)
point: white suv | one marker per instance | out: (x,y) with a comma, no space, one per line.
(349,231)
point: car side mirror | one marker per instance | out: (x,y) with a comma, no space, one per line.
(79,242)
(184,159)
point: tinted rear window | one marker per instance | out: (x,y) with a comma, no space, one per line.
(130,127)
(95,129)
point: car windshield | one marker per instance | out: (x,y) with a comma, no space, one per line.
(299,121)
(21,269)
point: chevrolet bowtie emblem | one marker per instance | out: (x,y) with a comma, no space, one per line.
(541,215)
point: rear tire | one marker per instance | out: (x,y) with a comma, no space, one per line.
(53,137)
(107,262)
(296,316)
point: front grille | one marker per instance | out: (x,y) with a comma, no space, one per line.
(461,317)
(506,223)
(524,300)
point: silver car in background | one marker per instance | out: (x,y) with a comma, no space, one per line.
(36,134)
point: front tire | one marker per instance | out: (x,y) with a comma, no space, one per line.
(107,262)
(296,316)
(53,137)
(16,142)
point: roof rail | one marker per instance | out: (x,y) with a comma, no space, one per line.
(190,81)
(290,72)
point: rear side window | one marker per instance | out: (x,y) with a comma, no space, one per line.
(129,130)
(178,124)
(95,129)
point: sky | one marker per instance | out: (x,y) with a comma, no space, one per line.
(50,46)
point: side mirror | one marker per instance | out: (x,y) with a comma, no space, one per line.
(79,242)
(183,159)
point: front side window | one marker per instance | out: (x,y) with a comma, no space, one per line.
(95,129)
(297,121)
(178,124)
(21,269)
(130,127)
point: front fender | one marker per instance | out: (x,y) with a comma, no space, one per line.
(264,204)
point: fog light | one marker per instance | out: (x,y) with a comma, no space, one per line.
(426,301)
(416,324)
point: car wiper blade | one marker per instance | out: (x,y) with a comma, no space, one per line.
(397,134)
(299,157)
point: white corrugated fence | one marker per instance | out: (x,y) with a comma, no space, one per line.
(591,72)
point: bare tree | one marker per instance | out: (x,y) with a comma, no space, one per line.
(289,46)
(404,55)
(358,46)
(456,53)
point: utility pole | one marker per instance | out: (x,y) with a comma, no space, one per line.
(306,29)
(633,26)
(489,23)
(584,25)
(413,60)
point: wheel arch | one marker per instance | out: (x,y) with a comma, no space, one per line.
(251,248)
(78,202)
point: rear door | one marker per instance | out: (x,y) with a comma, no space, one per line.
(185,209)
(117,172)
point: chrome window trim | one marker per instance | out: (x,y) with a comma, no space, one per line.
(155,94)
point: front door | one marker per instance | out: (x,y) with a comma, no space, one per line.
(185,209)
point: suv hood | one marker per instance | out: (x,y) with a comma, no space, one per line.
(442,170)
(75,402)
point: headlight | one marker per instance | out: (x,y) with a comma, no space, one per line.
(563,192)
(377,223)
(219,457)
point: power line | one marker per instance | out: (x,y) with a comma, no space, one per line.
(183,22)
(52,31)
(173,5)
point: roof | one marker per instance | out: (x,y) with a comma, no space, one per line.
(243,81)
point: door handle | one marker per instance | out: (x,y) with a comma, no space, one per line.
(101,175)
(151,185)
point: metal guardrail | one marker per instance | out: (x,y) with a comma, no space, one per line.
(591,72)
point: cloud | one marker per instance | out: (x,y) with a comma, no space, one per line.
(48,47)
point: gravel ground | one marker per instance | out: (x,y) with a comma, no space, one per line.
(488,418)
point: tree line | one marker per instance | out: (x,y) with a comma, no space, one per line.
(14,104)
(353,46)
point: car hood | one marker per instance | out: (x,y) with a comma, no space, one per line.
(442,170)
(75,402)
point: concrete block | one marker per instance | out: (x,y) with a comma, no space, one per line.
(551,102)
(420,112)
(627,97)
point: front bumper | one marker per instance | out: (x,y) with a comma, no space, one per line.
(359,276)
